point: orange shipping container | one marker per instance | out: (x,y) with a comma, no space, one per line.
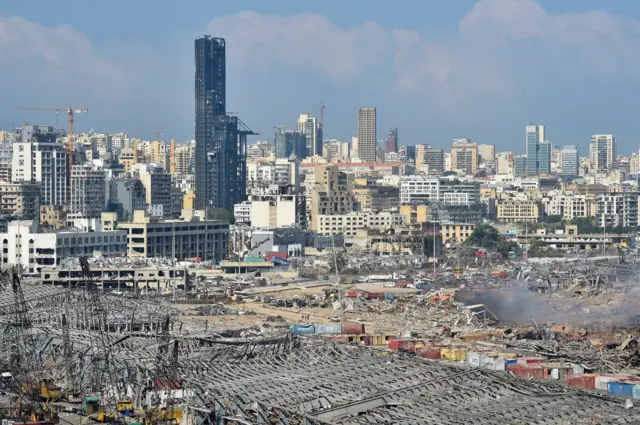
(353,328)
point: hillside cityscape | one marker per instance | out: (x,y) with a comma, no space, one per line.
(292,278)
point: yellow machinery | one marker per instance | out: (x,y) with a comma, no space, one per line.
(125,407)
(46,390)
(170,415)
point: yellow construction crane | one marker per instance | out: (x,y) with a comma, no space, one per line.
(70,113)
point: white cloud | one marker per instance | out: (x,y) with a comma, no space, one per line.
(307,42)
(40,57)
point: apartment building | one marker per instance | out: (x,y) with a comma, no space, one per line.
(570,206)
(330,194)
(518,211)
(456,232)
(617,209)
(20,199)
(43,162)
(349,224)
(464,156)
(88,191)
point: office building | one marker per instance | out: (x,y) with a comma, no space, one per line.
(392,141)
(429,158)
(569,161)
(24,245)
(534,135)
(158,187)
(518,211)
(520,165)
(464,156)
(602,151)
(125,197)
(544,157)
(190,237)
(221,140)
(291,142)
(309,127)
(367,138)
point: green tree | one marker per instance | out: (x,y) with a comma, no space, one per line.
(551,219)
(485,236)
(505,246)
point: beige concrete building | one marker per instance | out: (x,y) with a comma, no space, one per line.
(349,224)
(487,153)
(330,194)
(464,156)
(570,206)
(190,237)
(518,211)
(366,149)
(414,214)
(456,232)
(20,199)
(277,210)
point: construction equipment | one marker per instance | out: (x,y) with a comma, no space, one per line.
(158,134)
(321,106)
(70,114)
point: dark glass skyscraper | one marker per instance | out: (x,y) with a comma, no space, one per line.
(221,140)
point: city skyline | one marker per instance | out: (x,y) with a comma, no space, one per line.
(480,96)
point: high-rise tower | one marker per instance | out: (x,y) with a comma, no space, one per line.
(367,134)
(221,140)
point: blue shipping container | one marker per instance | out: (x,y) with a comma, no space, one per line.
(636,391)
(511,361)
(303,329)
(328,329)
(620,388)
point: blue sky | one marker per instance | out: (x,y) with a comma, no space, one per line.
(437,70)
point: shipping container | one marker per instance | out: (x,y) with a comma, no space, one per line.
(475,359)
(602,382)
(432,353)
(303,329)
(508,356)
(511,361)
(328,329)
(366,339)
(620,388)
(529,371)
(454,354)
(499,364)
(530,360)
(353,328)
(585,380)
(636,391)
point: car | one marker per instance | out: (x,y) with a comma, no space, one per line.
(334,318)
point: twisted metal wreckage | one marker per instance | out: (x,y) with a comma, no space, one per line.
(118,348)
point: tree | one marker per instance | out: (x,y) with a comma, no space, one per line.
(505,246)
(214,213)
(551,219)
(485,236)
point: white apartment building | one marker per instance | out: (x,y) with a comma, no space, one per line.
(504,163)
(617,209)
(419,189)
(42,162)
(349,224)
(569,206)
(281,172)
(433,189)
(23,245)
(242,212)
